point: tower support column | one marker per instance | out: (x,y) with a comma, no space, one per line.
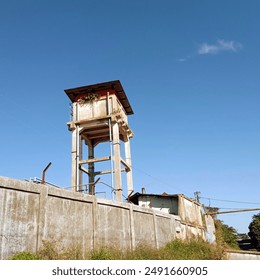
(129,173)
(117,161)
(74,160)
(91,168)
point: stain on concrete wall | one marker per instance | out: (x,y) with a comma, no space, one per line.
(68,222)
(210,229)
(112,226)
(190,211)
(144,227)
(19,220)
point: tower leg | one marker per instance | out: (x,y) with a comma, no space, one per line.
(91,168)
(129,174)
(74,160)
(117,161)
(80,173)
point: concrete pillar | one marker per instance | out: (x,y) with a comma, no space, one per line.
(76,152)
(129,174)
(74,160)
(155,230)
(43,200)
(91,168)
(132,227)
(80,173)
(117,161)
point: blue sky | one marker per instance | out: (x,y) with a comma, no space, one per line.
(190,70)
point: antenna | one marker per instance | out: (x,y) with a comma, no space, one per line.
(197,196)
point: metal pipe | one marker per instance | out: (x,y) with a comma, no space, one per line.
(128,198)
(233,211)
(77,149)
(44,171)
(93,186)
(111,144)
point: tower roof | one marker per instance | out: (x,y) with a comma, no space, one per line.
(112,85)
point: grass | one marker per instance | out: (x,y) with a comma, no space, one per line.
(25,256)
(175,250)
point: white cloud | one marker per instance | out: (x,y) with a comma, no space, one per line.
(183,59)
(220,46)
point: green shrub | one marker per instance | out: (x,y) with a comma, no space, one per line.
(254,232)
(101,254)
(25,256)
(192,250)
(49,250)
(72,253)
(226,235)
(143,252)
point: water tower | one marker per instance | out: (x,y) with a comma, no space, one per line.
(100,114)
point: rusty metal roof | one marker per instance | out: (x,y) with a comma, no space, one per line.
(134,198)
(114,85)
(137,194)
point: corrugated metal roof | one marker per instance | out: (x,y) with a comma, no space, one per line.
(115,85)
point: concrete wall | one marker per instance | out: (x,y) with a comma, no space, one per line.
(210,229)
(190,214)
(242,255)
(31,213)
(190,211)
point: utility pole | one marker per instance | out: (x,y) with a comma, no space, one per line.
(197,196)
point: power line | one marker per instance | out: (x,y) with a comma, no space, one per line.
(159,180)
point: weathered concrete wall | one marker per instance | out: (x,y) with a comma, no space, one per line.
(242,255)
(210,229)
(166,204)
(190,214)
(190,211)
(31,213)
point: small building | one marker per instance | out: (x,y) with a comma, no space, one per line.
(189,212)
(177,204)
(163,202)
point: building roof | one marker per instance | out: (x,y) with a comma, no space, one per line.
(114,85)
(134,197)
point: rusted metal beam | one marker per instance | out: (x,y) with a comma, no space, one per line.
(44,171)
(93,185)
(233,211)
(128,197)
(84,170)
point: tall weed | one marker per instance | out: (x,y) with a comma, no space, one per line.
(175,250)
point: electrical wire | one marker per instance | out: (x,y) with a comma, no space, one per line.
(159,180)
